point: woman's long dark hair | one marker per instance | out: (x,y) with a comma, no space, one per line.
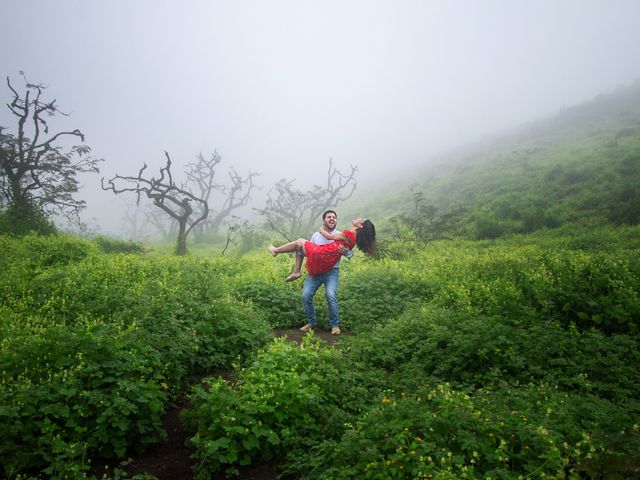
(366,237)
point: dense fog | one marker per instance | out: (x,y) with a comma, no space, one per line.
(280,87)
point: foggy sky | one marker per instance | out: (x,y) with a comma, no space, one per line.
(278,87)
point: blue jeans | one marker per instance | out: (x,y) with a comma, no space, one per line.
(309,289)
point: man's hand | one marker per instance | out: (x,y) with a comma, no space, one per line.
(343,250)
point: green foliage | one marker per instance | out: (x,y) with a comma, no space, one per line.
(114,245)
(277,400)
(21,221)
(38,252)
(73,391)
(589,289)
(590,238)
(439,345)
(259,280)
(496,358)
(509,433)
(281,304)
(92,346)
(373,295)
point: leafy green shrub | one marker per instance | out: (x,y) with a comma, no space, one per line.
(510,433)
(589,289)
(229,333)
(67,392)
(39,252)
(591,237)
(487,227)
(278,399)
(14,221)
(600,291)
(258,279)
(281,304)
(446,346)
(373,295)
(93,345)
(24,259)
(250,240)
(114,245)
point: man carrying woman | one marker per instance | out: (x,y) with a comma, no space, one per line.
(323,254)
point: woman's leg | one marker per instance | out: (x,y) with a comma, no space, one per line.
(296,269)
(287,247)
(295,246)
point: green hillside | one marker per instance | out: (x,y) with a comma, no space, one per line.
(583,164)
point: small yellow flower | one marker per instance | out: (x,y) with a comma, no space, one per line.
(164,385)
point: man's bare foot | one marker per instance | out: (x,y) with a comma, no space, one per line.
(293,276)
(272,249)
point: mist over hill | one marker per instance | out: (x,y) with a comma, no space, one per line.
(582,164)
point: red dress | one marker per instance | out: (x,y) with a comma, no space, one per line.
(322,258)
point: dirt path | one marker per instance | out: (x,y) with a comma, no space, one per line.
(171,459)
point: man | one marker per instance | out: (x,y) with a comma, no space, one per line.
(329,279)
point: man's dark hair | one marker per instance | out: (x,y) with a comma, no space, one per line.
(329,211)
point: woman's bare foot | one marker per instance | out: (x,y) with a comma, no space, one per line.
(272,249)
(293,276)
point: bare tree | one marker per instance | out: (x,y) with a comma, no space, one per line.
(291,212)
(166,226)
(144,219)
(166,195)
(136,221)
(201,182)
(36,173)
(234,229)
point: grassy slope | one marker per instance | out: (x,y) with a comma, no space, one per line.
(583,163)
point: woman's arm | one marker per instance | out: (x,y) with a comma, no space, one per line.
(333,236)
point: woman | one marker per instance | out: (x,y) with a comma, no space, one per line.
(321,258)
